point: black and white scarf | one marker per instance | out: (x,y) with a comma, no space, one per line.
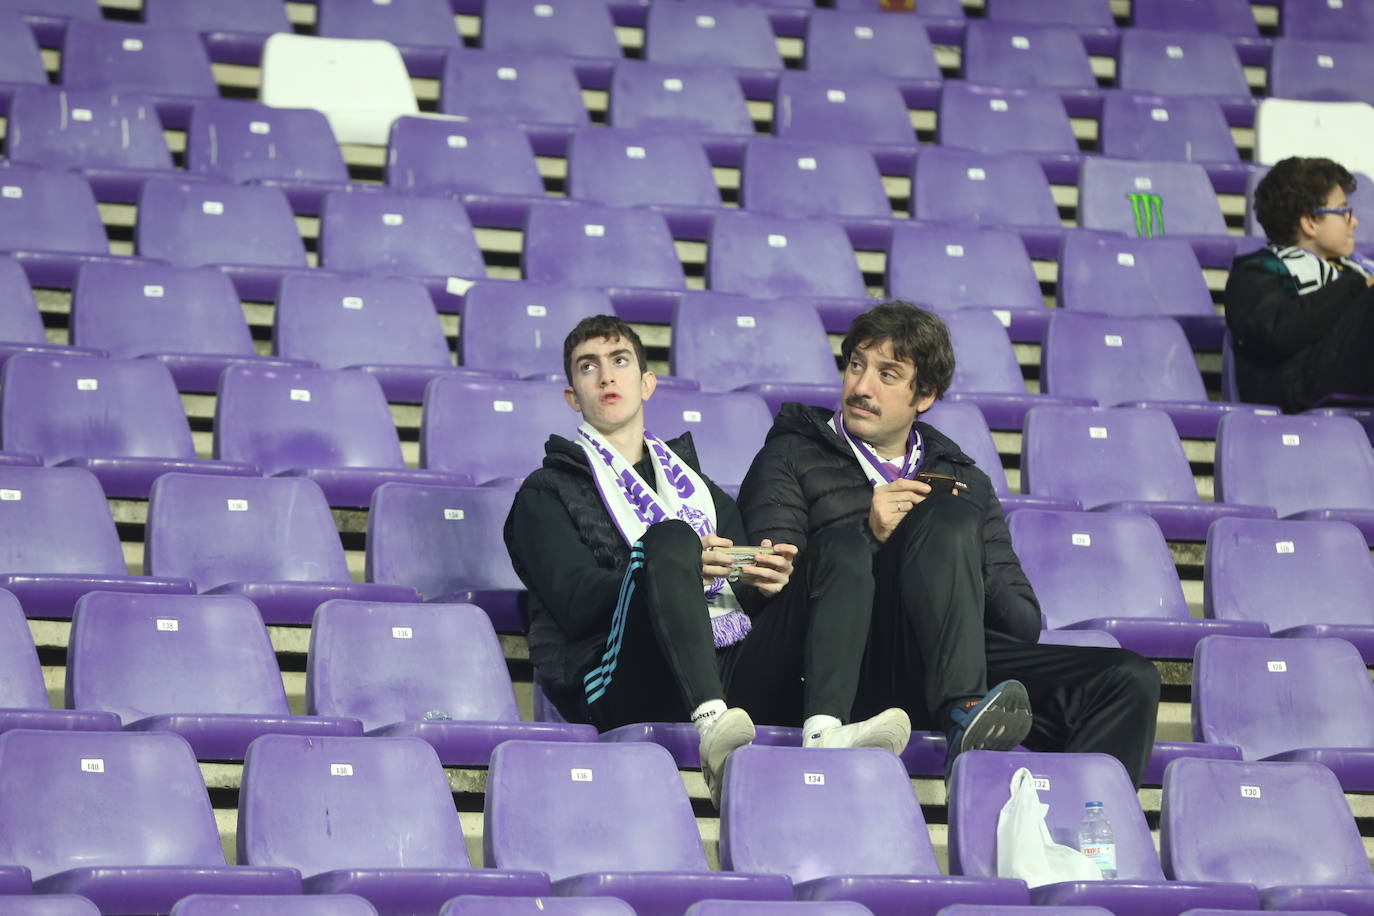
(1311,272)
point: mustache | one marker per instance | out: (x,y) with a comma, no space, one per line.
(856,401)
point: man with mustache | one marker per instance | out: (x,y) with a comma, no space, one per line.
(954,621)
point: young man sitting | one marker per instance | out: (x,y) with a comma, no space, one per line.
(635,613)
(1300,311)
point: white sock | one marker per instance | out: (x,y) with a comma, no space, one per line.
(707,713)
(814,725)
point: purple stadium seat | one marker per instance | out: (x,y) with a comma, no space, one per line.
(627,251)
(974,909)
(21,324)
(289,148)
(247,231)
(489,164)
(121,819)
(1269,570)
(494,431)
(539,92)
(842,825)
(445,542)
(1270,461)
(706,101)
(169,65)
(366,816)
(384,326)
(979,788)
(771,257)
(475,905)
(1321,70)
(716,33)
(189,319)
(986,373)
(112,138)
(519,327)
(1006,190)
(1284,827)
(963,422)
(21,63)
(787,17)
(1091,19)
(1272,698)
(876,43)
(577,29)
(198,665)
(1232,18)
(333,427)
(1350,20)
(234,31)
(58,542)
(836,181)
(943,19)
(1100,639)
(263,905)
(629,796)
(271,540)
(48,905)
(1152,199)
(1162,128)
(957,267)
(50,223)
(1121,460)
(1134,277)
(423,30)
(669,173)
(1186,62)
(24,697)
(861,108)
(683,741)
(774,348)
(392,665)
(1132,362)
(49,18)
(1032,55)
(402,235)
(1000,120)
(727,428)
(120,419)
(1112,571)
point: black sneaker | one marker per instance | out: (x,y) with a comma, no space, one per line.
(998,722)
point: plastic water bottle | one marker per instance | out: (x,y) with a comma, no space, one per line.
(436,715)
(1096,840)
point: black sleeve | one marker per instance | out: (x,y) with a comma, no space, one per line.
(1267,321)
(1010,605)
(558,568)
(771,498)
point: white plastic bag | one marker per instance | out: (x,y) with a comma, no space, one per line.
(1025,848)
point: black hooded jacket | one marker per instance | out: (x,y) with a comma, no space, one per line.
(567,550)
(806,479)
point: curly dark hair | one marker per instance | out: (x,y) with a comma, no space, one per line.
(607,327)
(1294,188)
(915,334)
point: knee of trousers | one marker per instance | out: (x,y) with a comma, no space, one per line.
(956,518)
(1136,676)
(672,541)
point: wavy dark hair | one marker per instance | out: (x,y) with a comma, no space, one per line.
(915,334)
(1294,188)
(607,327)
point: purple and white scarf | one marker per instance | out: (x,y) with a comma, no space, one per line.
(876,469)
(678,492)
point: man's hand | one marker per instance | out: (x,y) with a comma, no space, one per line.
(891,502)
(770,572)
(714,565)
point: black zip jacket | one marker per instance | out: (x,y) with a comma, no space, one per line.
(1275,331)
(567,550)
(806,479)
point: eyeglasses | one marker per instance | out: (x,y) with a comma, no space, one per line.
(1346,212)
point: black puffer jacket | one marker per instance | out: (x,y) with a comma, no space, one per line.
(806,480)
(570,555)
